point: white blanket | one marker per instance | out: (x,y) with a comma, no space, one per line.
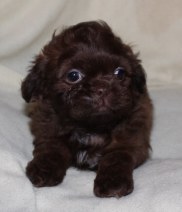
(158,184)
(154,28)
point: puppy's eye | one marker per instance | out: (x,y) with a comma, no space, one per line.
(119,72)
(74,76)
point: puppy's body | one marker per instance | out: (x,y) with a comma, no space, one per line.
(90,108)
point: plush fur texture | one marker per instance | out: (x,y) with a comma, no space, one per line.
(89,108)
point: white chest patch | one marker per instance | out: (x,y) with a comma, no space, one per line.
(87,139)
(84,159)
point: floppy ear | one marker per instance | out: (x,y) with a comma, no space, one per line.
(139,79)
(31,87)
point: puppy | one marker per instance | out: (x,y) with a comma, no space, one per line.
(89,108)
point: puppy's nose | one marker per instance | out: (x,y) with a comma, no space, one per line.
(100,91)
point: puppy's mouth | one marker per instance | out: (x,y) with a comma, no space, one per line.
(89,108)
(100,104)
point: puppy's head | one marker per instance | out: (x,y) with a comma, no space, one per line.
(87,74)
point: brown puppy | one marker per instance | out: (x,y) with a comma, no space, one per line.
(89,108)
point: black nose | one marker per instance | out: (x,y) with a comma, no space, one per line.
(100,91)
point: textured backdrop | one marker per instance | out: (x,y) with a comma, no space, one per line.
(153,27)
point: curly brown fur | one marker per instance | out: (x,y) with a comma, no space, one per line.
(90,108)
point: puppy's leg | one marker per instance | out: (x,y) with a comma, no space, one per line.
(115,172)
(49,165)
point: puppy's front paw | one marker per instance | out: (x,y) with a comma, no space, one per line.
(45,171)
(113,185)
